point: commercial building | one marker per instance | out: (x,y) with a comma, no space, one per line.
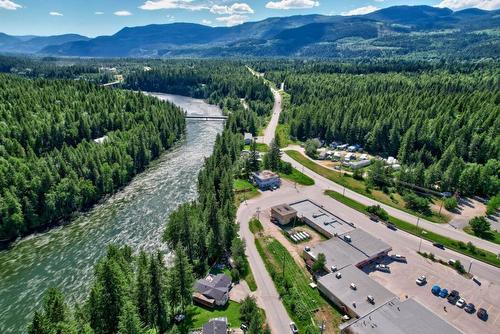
(321,219)
(399,317)
(354,291)
(357,248)
(248,138)
(283,214)
(359,164)
(266,179)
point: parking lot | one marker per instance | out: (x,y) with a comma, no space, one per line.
(401,281)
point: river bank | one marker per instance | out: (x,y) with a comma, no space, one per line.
(136,215)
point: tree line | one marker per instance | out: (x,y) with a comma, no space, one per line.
(443,126)
(50,165)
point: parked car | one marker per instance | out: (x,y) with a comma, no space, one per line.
(482,314)
(470,308)
(436,289)
(438,245)
(244,327)
(383,267)
(398,257)
(421,280)
(294,328)
(443,293)
(453,297)
(461,303)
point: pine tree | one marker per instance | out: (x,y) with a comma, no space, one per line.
(129,320)
(143,289)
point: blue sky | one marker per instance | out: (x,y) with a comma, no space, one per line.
(105,17)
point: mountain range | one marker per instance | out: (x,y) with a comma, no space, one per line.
(398,30)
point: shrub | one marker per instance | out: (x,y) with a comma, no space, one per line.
(286,167)
(378,211)
(471,247)
(480,226)
(493,204)
(235,275)
(357,174)
(432,257)
(417,203)
(450,203)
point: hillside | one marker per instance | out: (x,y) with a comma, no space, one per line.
(34,44)
(420,31)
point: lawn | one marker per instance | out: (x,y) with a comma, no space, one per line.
(244,190)
(394,200)
(198,315)
(302,302)
(457,246)
(261,147)
(298,177)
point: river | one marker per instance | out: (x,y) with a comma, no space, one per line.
(64,257)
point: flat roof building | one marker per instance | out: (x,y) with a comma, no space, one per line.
(248,138)
(354,291)
(356,248)
(283,213)
(321,219)
(266,179)
(400,317)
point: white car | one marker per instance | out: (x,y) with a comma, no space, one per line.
(383,267)
(461,303)
(294,328)
(421,280)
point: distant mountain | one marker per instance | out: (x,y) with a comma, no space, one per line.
(34,44)
(398,30)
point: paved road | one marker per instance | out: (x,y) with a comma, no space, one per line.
(443,229)
(267,295)
(270,130)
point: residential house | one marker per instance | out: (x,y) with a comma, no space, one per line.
(266,179)
(216,326)
(213,290)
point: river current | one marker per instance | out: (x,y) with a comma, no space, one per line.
(64,257)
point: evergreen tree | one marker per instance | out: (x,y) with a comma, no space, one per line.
(129,320)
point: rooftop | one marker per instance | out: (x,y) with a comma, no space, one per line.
(266,174)
(284,209)
(365,242)
(338,253)
(401,317)
(356,299)
(215,326)
(214,286)
(319,216)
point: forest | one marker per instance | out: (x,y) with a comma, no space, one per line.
(443,126)
(136,294)
(50,164)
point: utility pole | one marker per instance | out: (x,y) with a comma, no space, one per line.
(258,213)
(470,266)
(343,192)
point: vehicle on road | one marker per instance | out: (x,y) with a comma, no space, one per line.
(398,257)
(383,267)
(374,217)
(482,314)
(443,293)
(421,280)
(461,303)
(436,289)
(470,308)
(392,226)
(438,245)
(244,327)
(294,328)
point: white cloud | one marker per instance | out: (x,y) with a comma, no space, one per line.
(360,10)
(235,8)
(9,5)
(55,14)
(122,13)
(461,4)
(292,4)
(99,13)
(206,22)
(233,19)
(172,4)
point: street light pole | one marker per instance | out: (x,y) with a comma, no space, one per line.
(470,266)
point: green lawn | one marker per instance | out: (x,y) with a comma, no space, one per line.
(492,236)
(198,315)
(261,147)
(457,246)
(244,190)
(298,177)
(394,200)
(255,226)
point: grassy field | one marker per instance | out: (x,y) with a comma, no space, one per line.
(304,304)
(198,315)
(457,246)
(261,147)
(255,226)
(299,177)
(394,200)
(493,235)
(244,190)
